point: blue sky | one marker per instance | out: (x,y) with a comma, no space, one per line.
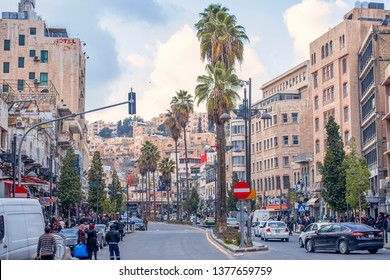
(151,45)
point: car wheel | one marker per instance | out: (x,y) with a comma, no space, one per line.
(301,243)
(309,246)
(373,251)
(287,239)
(343,247)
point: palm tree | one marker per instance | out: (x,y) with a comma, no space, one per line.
(182,106)
(142,167)
(166,167)
(219,90)
(175,129)
(152,156)
(221,39)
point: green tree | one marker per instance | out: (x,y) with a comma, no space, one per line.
(69,185)
(232,200)
(105,133)
(175,129)
(333,169)
(219,89)
(182,105)
(166,167)
(116,194)
(193,201)
(96,194)
(357,179)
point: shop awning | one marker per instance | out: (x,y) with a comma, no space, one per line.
(312,201)
(276,207)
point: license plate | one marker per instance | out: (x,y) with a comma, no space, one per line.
(370,236)
(277,230)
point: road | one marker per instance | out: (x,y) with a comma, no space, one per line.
(178,242)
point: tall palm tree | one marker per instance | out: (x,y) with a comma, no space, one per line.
(175,129)
(142,167)
(166,167)
(221,39)
(152,156)
(182,105)
(219,90)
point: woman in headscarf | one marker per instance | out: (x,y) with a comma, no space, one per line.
(92,241)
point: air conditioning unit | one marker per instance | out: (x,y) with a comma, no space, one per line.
(37,58)
(37,81)
(20,124)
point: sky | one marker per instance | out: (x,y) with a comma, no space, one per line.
(150,46)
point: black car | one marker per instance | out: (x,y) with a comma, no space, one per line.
(71,235)
(345,237)
(138,224)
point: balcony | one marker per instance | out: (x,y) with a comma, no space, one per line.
(64,139)
(74,126)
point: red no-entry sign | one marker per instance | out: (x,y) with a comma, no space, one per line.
(241,190)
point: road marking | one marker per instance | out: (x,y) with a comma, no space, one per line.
(230,257)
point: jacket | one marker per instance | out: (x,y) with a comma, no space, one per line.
(113,237)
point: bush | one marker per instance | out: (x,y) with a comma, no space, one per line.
(231,236)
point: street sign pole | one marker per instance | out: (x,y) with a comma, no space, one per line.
(242,223)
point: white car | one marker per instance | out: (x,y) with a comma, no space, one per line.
(308,230)
(258,228)
(274,230)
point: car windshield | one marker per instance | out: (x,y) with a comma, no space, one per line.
(230,220)
(69,232)
(276,224)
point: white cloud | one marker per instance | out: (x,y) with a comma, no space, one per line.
(310,19)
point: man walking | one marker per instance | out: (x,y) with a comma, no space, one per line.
(121,229)
(47,245)
(113,238)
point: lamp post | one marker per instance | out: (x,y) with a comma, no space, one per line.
(246,113)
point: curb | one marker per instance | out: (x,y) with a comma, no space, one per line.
(236,249)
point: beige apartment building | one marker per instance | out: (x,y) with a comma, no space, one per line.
(384,186)
(42,77)
(346,72)
(276,143)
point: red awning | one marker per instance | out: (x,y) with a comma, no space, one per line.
(23,183)
(276,207)
(36,180)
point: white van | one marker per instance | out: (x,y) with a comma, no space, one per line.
(260,215)
(21,224)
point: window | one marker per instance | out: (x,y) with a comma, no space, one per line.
(346,136)
(5,67)
(327,115)
(32,53)
(7,45)
(345,89)
(20,62)
(345,66)
(5,88)
(238,160)
(31,75)
(20,84)
(317,124)
(322,52)
(275,119)
(275,141)
(276,161)
(346,114)
(317,146)
(285,140)
(316,102)
(315,79)
(286,162)
(44,79)
(44,56)
(294,117)
(295,139)
(284,118)
(33,31)
(331,47)
(21,40)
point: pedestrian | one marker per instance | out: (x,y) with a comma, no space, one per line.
(121,229)
(113,238)
(386,224)
(92,245)
(145,221)
(81,235)
(290,225)
(47,246)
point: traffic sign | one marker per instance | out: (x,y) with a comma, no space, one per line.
(245,203)
(241,190)
(301,208)
(252,194)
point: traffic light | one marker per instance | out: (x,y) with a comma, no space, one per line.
(132,103)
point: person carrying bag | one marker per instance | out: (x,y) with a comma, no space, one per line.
(80,251)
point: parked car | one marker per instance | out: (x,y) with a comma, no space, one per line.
(309,230)
(63,251)
(259,226)
(345,237)
(232,222)
(138,224)
(274,230)
(103,229)
(70,235)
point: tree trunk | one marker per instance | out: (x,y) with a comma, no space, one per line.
(221,187)
(187,183)
(148,188)
(177,184)
(142,196)
(154,198)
